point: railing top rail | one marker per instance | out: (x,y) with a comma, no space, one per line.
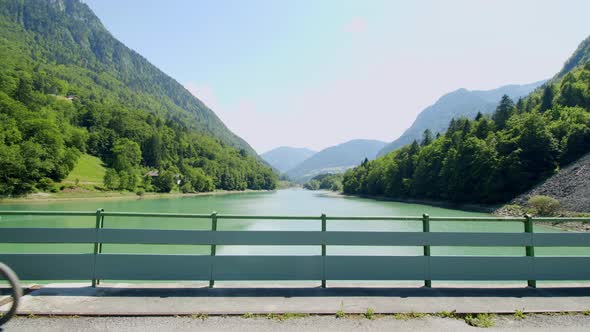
(560,220)
(158,215)
(517,219)
(291,217)
(47,213)
(376,218)
(232,216)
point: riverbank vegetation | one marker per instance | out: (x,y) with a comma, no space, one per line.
(488,159)
(539,205)
(68,90)
(73,193)
(331,182)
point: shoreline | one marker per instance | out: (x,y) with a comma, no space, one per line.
(575,226)
(114,195)
(491,209)
(436,203)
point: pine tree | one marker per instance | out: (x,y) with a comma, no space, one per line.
(503,112)
(24,91)
(414,148)
(426,137)
(520,106)
(451,125)
(547,98)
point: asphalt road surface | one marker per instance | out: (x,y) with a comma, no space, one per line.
(536,322)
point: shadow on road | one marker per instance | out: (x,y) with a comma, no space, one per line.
(106,291)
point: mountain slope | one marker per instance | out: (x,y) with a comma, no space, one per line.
(68,33)
(456,104)
(285,158)
(491,159)
(579,58)
(336,159)
(67,88)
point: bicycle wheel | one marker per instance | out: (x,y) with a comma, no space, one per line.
(7,274)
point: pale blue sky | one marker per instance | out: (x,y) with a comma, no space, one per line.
(314,73)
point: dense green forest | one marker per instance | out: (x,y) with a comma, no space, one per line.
(490,159)
(461,102)
(325,182)
(68,87)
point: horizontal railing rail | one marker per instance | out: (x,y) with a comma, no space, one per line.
(266,217)
(291,238)
(46,213)
(98,265)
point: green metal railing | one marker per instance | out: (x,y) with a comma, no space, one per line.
(98,266)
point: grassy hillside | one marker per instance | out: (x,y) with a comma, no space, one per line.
(88,170)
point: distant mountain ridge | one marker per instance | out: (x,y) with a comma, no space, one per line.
(285,158)
(461,102)
(336,159)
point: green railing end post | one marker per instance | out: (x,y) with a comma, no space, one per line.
(214,221)
(530,250)
(426,229)
(213,247)
(425,222)
(97,226)
(528,223)
(100,243)
(323,217)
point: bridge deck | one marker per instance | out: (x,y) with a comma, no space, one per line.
(238,299)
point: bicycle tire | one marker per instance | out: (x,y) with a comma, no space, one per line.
(17,292)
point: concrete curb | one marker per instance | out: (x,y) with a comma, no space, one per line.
(180,300)
(239,314)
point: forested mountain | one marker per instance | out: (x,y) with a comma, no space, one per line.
(285,158)
(579,58)
(336,159)
(490,159)
(67,86)
(456,104)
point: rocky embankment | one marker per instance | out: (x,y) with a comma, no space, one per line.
(571,187)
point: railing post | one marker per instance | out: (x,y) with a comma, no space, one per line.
(101,227)
(426,229)
(323,252)
(100,243)
(530,250)
(213,247)
(97,226)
